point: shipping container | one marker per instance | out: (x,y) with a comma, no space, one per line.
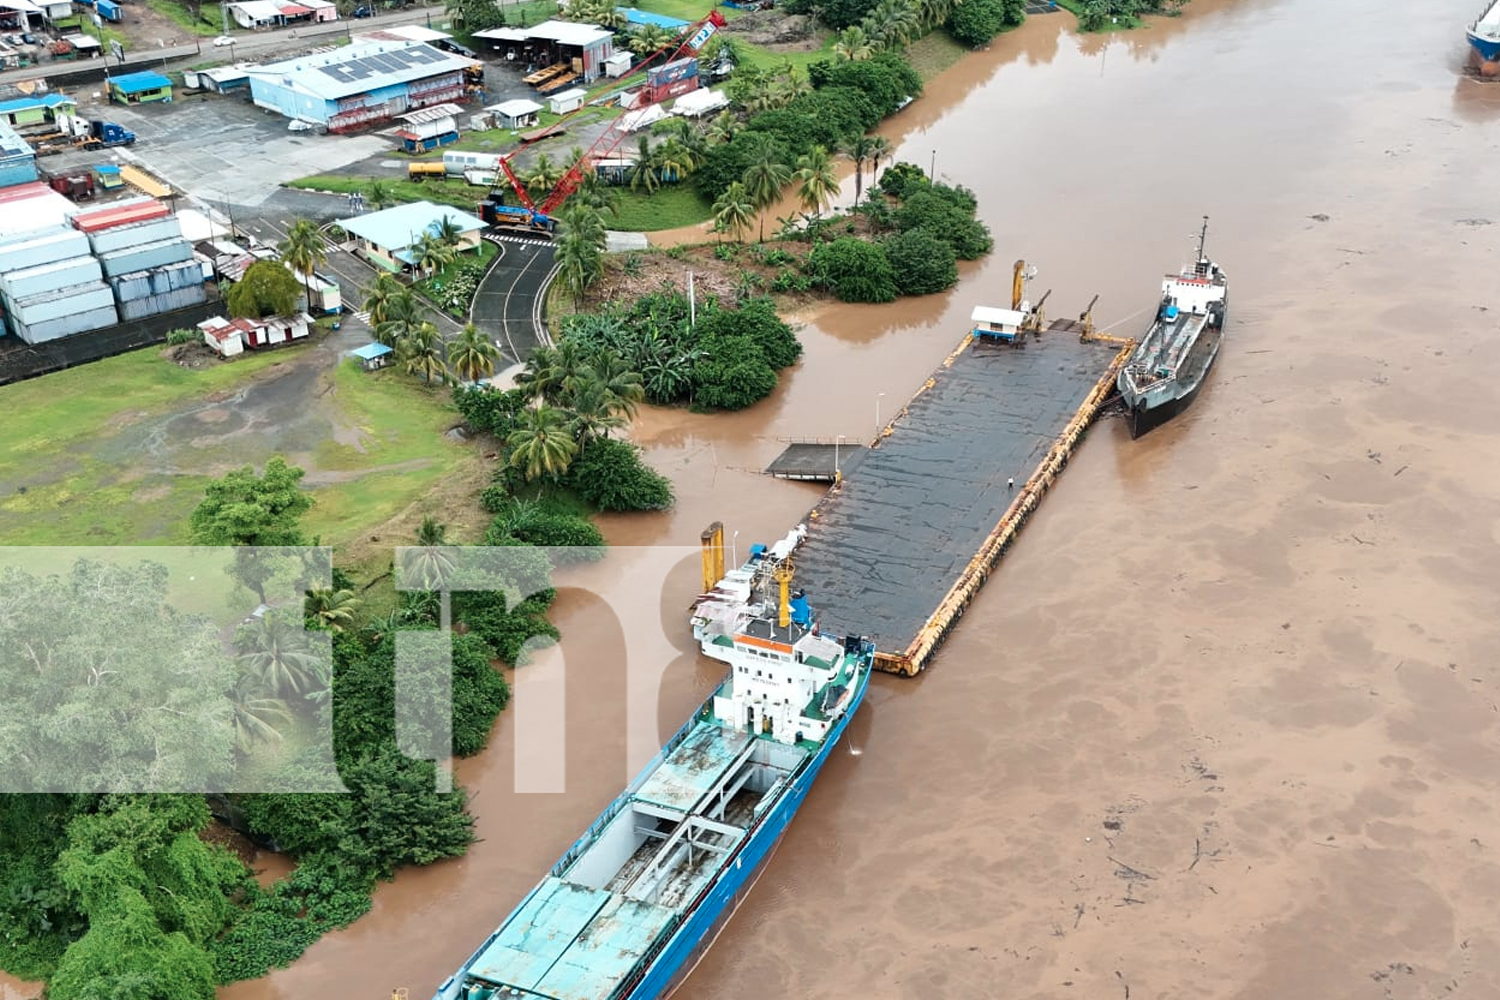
(139,284)
(119,213)
(45,247)
(78,299)
(66,326)
(675,89)
(34,281)
(136,234)
(144,258)
(672,72)
(153,305)
(456,162)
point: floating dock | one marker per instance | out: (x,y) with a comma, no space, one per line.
(898,548)
(817,461)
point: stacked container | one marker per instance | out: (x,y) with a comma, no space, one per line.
(144,257)
(52,287)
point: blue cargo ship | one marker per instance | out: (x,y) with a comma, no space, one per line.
(1484,34)
(628,910)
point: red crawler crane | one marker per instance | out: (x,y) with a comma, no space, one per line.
(539,217)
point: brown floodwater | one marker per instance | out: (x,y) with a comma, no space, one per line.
(1226,724)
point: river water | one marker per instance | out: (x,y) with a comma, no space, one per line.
(1227,723)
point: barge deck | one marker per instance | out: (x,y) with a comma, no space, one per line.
(897,550)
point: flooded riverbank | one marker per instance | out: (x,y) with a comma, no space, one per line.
(1224,723)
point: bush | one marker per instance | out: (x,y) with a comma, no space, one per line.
(725,163)
(488,410)
(757,321)
(610,475)
(975,22)
(902,180)
(885,80)
(922,263)
(937,214)
(825,117)
(856,271)
(176,337)
(732,375)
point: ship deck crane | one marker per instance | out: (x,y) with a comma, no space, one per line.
(1034,317)
(539,216)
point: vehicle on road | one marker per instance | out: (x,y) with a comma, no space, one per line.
(363,12)
(223,40)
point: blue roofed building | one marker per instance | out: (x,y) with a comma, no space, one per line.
(365,83)
(32,113)
(17,160)
(644,18)
(387,238)
(140,88)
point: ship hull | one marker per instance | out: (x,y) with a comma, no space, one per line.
(709,917)
(1146,415)
(1483,36)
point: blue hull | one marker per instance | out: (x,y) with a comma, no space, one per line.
(1487,49)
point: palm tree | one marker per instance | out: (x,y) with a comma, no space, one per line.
(471,356)
(593,413)
(593,192)
(276,654)
(674,160)
(428,564)
(649,39)
(858,149)
(254,714)
(431,254)
(379,195)
(734,211)
(551,372)
(615,379)
(644,174)
(401,313)
(819,183)
(586,223)
(724,127)
(542,445)
(853,44)
(421,353)
(893,22)
(880,148)
(302,251)
(377,295)
(331,609)
(446,231)
(544,175)
(764,178)
(580,265)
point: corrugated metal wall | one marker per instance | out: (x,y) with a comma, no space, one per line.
(139,284)
(144,258)
(151,305)
(34,281)
(118,238)
(64,326)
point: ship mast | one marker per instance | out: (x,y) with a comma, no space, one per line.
(1203,239)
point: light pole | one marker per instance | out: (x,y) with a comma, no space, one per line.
(734,550)
(878,397)
(932,170)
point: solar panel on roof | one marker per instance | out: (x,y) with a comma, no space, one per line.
(382,63)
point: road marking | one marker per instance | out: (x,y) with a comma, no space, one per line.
(519,239)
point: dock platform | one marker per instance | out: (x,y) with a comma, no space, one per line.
(817,461)
(896,551)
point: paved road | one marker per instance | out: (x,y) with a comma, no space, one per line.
(511,302)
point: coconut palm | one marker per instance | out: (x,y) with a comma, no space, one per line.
(764,178)
(544,175)
(446,231)
(593,414)
(586,223)
(551,372)
(275,653)
(377,294)
(427,565)
(674,160)
(579,265)
(892,22)
(302,251)
(331,609)
(649,39)
(858,149)
(880,148)
(254,715)
(734,211)
(853,44)
(615,379)
(644,175)
(378,194)
(421,353)
(471,356)
(542,445)
(817,182)
(593,192)
(400,314)
(724,127)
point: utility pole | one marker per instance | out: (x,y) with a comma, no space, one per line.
(932,170)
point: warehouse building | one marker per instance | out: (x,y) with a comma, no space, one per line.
(362,84)
(386,238)
(582,49)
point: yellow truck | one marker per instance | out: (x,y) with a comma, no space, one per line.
(423,171)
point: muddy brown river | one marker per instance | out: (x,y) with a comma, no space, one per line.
(1226,724)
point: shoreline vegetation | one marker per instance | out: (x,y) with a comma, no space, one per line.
(136,896)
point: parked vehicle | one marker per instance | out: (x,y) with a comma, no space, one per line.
(422,171)
(223,40)
(363,12)
(82,133)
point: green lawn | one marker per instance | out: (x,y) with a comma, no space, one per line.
(452,191)
(670,207)
(181,16)
(933,53)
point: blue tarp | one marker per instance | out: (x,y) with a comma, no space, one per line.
(642,17)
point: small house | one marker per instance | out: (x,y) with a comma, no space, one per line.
(57,11)
(85,46)
(429,128)
(516,114)
(140,88)
(225,337)
(387,238)
(322,10)
(223,79)
(255,14)
(996,324)
(274,330)
(373,356)
(568,101)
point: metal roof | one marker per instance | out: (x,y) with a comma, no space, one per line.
(400,227)
(407,32)
(435,113)
(570,33)
(1002,317)
(502,34)
(370,352)
(358,69)
(257,10)
(12,144)
(135,83)
(571,94)
(40,101)
(515,108)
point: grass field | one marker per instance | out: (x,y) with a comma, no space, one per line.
(672,206)
(456,192)
(933,53)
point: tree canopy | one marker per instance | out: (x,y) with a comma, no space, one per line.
(266,289)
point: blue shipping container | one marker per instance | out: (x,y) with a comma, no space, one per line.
(682,69)
(66,326)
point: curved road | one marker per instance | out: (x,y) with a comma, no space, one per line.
(510,303)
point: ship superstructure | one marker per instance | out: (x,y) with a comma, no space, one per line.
(627,911)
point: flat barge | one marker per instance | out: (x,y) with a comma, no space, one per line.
(938,497)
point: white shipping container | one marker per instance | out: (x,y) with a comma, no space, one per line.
(135,235)
(78,299)
(144,258)
(45,247)
(35,281)
(455,162)
(66,326)
(153,305)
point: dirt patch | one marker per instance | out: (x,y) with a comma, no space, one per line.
(231,840)
(778,32)
(151,494)
(724,273)
(453,501)
(327,477)
(351,437)
(194,355)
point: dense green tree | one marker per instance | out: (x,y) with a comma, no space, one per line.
(490,410)
(885,79)
(471,355)
(922,262)
(732,375)
(241,508)
(975,22)
(611,475)
(902,180)
(266,289)
(756,320)
(856,271)
(943,218)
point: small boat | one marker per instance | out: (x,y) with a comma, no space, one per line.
(1173,358)
(631,907)
(1484,33)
